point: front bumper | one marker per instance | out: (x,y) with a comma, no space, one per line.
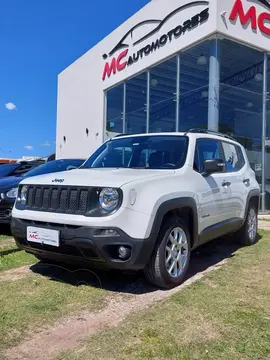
(6,206)
(83,245)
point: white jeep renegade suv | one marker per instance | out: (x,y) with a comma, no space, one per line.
(141,202)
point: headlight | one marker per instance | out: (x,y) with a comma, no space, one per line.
(109,199)
(23,194)
(12,194)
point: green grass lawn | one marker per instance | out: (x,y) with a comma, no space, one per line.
(34,301)
(30,301)
(2,237)
(265,219)
(11,257)
(226,315)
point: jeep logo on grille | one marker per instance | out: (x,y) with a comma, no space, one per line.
(58,181)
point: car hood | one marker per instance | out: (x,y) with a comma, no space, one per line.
(10,182)
(96,177)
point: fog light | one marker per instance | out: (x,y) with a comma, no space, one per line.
(124,252)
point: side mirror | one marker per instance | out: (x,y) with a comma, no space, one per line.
(213,166)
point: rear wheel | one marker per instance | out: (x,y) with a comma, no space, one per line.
(169,262)
(247,235)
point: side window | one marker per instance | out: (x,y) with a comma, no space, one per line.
(234,162)
(208,149)
(241,159)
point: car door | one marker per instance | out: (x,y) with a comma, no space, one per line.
(211,190)
(238,183)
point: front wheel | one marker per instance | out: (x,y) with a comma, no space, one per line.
(247,235)
(169,262)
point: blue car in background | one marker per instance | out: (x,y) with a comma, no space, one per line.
(18,168)
(9,185)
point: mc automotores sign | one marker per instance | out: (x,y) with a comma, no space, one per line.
(124,53)
(251,17)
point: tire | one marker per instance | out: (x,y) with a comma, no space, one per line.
(156,271)
(247,235)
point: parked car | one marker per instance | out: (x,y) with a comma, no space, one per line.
(9,185)
(141,202)
(19,168)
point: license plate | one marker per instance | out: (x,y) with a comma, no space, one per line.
(43,236)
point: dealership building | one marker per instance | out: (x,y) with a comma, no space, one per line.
(174,65)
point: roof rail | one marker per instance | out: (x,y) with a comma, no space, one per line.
(210,132)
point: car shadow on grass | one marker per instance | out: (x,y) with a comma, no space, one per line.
(5,230)
(6,252)
(202,258)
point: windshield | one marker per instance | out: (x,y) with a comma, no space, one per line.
(54,166)
(6,169)
(146,152)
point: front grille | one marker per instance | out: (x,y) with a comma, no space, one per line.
(60,199)
(52,225)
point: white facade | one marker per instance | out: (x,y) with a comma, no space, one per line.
(81,87)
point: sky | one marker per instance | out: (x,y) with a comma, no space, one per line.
(38,40)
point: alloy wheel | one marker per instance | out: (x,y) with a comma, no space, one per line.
(177,249)
(252,224)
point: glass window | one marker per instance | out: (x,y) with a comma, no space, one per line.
(148,152)
(22,169)
(231,157)
(163,97)
(268,109)
(208,149)
(55,166)
(241,159)
(6,169)
(136,99)
(241,66)
(240,100)
(136,122)
(267,148)
(115,99)
(194,80)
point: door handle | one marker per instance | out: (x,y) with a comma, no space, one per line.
(246,181)
(226,183)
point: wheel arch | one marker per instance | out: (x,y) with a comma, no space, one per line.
(185,208)
(253,198)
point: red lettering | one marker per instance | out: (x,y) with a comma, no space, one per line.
(261,22)
(117,64)
(119,59)
(238,10)
(109,68)
(33,236)
(251,16)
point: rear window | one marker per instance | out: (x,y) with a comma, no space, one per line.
(7,169)
(22,169)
